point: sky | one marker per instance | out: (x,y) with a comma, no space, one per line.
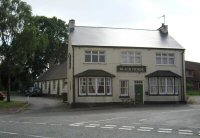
(181,16)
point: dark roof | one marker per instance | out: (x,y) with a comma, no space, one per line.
(189,65)
(121,37)
(54,73)
(163,73)
(94,73)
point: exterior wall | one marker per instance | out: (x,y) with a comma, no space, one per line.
(70,72)
(113,59)
(53,91)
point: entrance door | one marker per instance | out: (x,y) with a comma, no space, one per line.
(139,92)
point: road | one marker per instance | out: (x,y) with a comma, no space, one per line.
(155,121)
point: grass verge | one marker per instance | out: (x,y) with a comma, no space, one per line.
(193,93)
(11,104)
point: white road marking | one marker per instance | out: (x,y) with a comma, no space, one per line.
(101,120)
(41,123)
(129,126)
(107,127)
(162,131)
(185,133)
(110,125)
(74,125)
(90,126)
(94,124)
(147,130)
(11,133)
(35,136)
(79,123)
(165,129)
(56,124)
(124,128)
(142,120)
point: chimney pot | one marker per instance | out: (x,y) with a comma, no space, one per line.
(71,25)
(163,29)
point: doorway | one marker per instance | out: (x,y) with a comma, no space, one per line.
(138,92)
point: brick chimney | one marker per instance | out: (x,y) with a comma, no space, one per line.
(163,29)
(71,25)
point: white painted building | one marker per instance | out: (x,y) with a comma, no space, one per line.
(54,80)
(110,65)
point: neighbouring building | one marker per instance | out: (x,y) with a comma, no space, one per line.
(192,71)
(54,80)
(110,65)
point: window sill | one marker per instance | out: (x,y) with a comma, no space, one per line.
(124,96)
(165,64)
(101,63)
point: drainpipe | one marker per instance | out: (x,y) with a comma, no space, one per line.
(183,97)
(74,97)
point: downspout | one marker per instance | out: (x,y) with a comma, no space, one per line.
(183,97)
(74,98)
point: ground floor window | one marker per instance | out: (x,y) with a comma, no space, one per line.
(164,86)
(124,88)
(95,86)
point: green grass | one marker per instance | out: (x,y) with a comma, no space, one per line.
(12,104)
(193,93)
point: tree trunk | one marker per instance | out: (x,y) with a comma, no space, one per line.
(8,91)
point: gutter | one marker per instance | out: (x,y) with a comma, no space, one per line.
(74,97)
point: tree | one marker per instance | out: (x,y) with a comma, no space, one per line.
(14,16)
(56,30)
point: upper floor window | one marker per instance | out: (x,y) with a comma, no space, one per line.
(165,59)
(95,56)
(129,57)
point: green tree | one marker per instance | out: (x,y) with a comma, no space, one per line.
(14,16)
(56,30)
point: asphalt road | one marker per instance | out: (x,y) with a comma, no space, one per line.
(158,121)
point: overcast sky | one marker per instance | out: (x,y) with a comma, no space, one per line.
(182,16)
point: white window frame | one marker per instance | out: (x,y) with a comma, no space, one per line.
(161,56)
(92,53)
(96,81)
(163,82)
(129,57)
(81,85)
(126,88)
(153,82)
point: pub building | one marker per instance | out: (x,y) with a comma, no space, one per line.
(114,65)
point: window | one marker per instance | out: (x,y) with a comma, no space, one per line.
(69,60)
(165,59)
(83,86)
(54,84)
(95,56)
(45,85)
(164,86)
(64,83)
(124,86)
(129,57)
(95,86)
(153,86)
(177,86)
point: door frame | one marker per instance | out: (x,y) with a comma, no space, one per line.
(142,89)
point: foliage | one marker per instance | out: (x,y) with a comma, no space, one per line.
(193,93)
(28,44)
